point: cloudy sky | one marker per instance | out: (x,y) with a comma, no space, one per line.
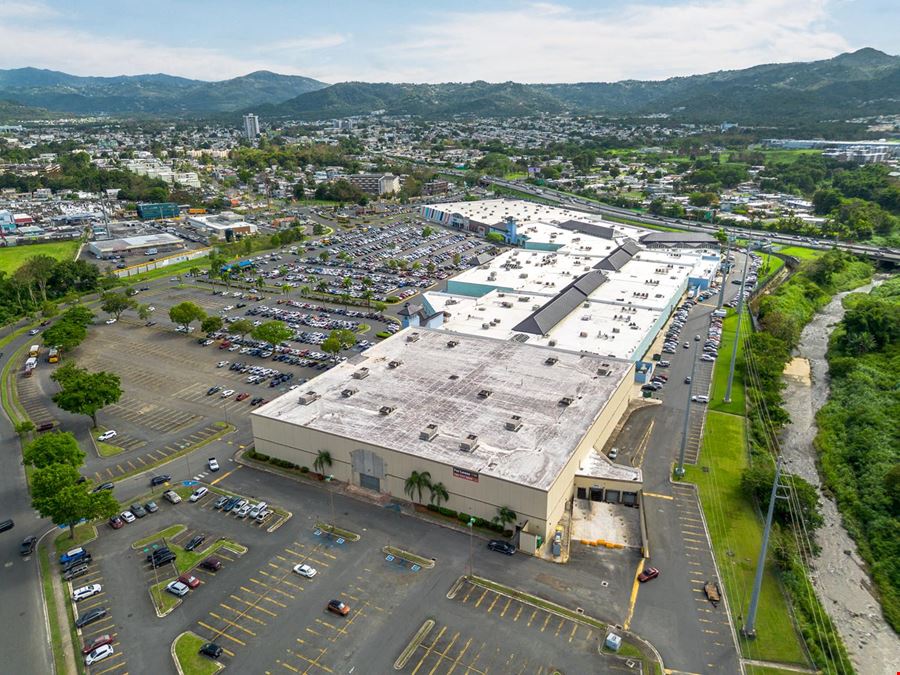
(436,40)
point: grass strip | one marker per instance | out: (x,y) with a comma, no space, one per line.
(168,533)
(735,530)
(84,533)
(801,253)
(413,644)
(187,560)
(187,656)
(163,601)
(411,557)
(59,657)
(108,450)
(720,372)
(333,529)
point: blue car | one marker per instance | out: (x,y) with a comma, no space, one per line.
(74,555)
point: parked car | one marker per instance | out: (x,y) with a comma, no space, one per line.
(172,497)
(99,653)
(648,574)
(138,510)
(75,571)
(243,511)
(211,649)
(90,617)
(227,393)
(305,571)
(116,522)
(189,580)
(73,555)
(212,390)
(338,607)
(107,435)
(104,486)
(164,559)
(211,564)
(198,493)
(501,546)
(27,545)
(86,592)
(159,480)
(151,507)
(195,542)
(213,464)
(230,504)
(220,502)
(127,516)
(98,641)
(700,399)
(177,588)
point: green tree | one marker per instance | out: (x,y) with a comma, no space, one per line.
(211,324)
(322,462)
(53,448)
(143,312)
(417,483)
(273,332)
(439,494)
(185,313)
(494,237)
(85,393)
(825,201)
(49,309)
(24,428)
(65,334)
(505,515)
(427,232)
(241,327)
(79,315)
(115,304)
(55,494)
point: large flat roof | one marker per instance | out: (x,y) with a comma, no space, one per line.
(474,387)
(142,241)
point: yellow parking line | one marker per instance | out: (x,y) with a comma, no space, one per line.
(245,615)
(133,467)
(443,654)
(459,657)
(533,614)
(634,592)
(559,627)
(496,598)
(119,467)
(122,664)
(225,475)
(281,579)
(546,621)
(310,630)
(508,603)
(141,460)
(218,633)
(481,598)
(232,623)
(468,593)
(572,634)
(657,496)
(227,651)
(313,662)
(247,602)
(516,617)
(287,665)
(428,650)
(257,581)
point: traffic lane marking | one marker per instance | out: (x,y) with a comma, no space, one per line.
(221,633)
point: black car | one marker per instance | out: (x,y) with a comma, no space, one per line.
(138,510)
(501,546)
(90,617)
(159,480)
(211,649)
(27,545)
(164,559)
(212,390)
(83,560)
(195,542)
(104,486)
(230,504)
(158,552)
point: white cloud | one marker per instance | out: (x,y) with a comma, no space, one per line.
(305,44)
(545,42)
(10,10)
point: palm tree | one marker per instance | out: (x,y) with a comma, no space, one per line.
(347,282)
(439,494)
(305,290)
(322,461)
(416,483)
(322,286)
(285,289)
(505,515)
(260,282)
(367,295)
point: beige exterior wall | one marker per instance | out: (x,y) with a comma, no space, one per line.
(541,509)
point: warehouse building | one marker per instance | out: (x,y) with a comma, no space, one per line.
(159,243)
(499,423)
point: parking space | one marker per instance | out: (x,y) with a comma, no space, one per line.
(269,519)
(117,661)
(34,401)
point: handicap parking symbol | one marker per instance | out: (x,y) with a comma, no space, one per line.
(389,558)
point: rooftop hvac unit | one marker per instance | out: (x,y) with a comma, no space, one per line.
(469,444)
(514,423)
(506,304)
(360,374)
(484,393)
(602,372)
(552,343)
(348,392)
(386,409)
(452,343)
(566,401)
(485,326)
(584,334)
(308,397)
(429,433)
(550,361)
(394,364)
(523,275)
(412,337)
(525,298)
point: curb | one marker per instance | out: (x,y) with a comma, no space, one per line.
(160,615)
(413,644)
(408,557)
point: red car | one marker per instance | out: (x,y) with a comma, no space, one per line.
(242,396)
(338,607)
(116,522)
(648,574)
(189,580)
(98,641)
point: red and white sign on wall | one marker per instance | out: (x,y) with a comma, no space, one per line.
(465,475)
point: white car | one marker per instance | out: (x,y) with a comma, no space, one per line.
(127,516)
(151,308)
(700,399)
(707,357)
(198,494)
(106,435)
(110,321)
(86,592)
(221,364)
(98,654)
(177,588)
(244,510)
(305,571)
(227,393)
(213,464)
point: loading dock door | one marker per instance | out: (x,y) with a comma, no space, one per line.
(582,493)
(596,494)
(629,498)
(370,482)
(612,496)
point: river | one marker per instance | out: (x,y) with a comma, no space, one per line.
(839,573)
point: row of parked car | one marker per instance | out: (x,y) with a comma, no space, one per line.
(242,508)
(75,563)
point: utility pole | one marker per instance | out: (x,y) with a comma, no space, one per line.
(749,629)
(724,274)
(737,332)
(679,470)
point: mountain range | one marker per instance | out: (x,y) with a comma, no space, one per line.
(861,83)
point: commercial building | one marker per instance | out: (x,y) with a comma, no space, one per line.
(497,422)
(251,126)
(161,242)
(375,183)
(221,224)
(157,211)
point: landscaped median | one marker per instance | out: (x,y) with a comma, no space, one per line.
(632,646)
(333,529)
(168,533)
(188,659)
(426,563)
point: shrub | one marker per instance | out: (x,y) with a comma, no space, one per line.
(392,299)
(382,334)
(431,507)
(463,517)
(304,469)
(444,511)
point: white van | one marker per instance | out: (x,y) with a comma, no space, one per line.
(151,251)
(719,313)
(255,511)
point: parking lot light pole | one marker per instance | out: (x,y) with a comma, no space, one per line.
(737,332)
(328,479)
(471,525)
(679,470)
